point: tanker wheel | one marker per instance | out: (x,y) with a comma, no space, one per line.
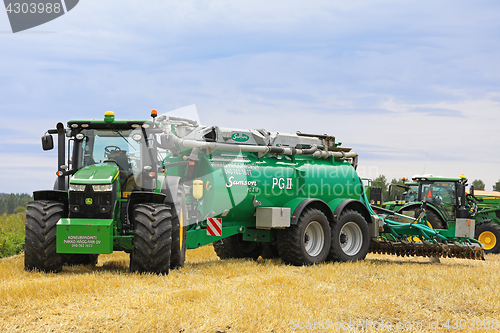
(179,229)
(80,259)
(433,220)
(152,240)
(270,251)
(40,238)
(307,242)
(350,237)
(488,234)
(235,247)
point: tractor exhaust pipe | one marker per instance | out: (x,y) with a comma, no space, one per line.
(61,156)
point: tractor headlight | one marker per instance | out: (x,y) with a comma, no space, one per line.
(102,188)
(76,187)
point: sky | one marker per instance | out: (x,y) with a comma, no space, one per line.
(412,86)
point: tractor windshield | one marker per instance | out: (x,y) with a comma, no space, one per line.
(101,145)
(129,149)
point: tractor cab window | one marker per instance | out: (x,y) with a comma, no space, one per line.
(128,148)
(412,193)
(99,146)
(441,195)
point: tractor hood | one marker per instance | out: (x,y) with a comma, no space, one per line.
(101,173)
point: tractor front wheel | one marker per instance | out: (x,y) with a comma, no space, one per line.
(40,237)
(488,234)
(153,238)
(307,242)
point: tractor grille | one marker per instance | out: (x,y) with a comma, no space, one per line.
(91,205)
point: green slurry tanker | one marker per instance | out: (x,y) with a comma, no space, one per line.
(154,188)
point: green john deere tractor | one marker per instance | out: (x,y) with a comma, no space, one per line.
(440,195)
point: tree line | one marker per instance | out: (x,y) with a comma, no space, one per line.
(396,193)
(14,203)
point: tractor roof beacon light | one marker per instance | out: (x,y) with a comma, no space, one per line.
(109,116)
(154,114)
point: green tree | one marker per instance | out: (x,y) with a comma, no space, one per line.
(478,184)
(496,187)
(11,203)
(381,182)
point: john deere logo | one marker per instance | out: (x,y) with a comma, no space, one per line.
(88,201)
(240,137)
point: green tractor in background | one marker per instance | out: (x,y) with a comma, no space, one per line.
(440,195)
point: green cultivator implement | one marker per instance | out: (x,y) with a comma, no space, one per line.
(415,238)
(154,188)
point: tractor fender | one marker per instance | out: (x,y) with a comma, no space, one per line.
(316,203)
(54,195)
(483,221)
(429,207)
(138,197)
(170,188)
(339,205)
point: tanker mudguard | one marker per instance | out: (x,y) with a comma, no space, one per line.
(354,205)
(317,203)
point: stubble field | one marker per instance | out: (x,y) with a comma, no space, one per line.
(210,295)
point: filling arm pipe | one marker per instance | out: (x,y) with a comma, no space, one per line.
(313,151)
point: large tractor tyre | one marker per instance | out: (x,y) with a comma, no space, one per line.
(350,237)
(270,251)
(488,234)
(179,230)
(307,242)
(80,259)
(235,247)
(40,238)
(433,220)
(152,240)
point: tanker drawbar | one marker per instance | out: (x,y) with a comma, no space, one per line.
(155,188)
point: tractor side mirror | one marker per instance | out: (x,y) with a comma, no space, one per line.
(47,142)
(390,190)
(471,190)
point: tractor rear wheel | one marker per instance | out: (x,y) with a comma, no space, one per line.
(235,247)
(179,230)
(307,242)
(350,237)
(40,238)
(153,238)
(488,234)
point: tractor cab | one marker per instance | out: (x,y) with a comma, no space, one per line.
(441,194)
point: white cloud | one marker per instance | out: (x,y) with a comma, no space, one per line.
(405,83)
